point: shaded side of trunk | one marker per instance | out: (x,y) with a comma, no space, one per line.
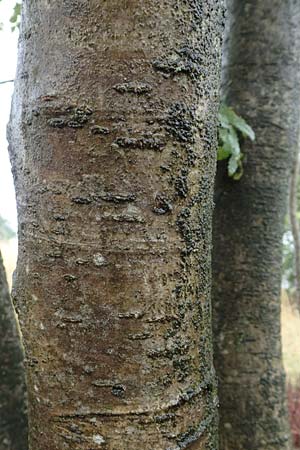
(262,84)
(293,209)
(113,149)
(13,421)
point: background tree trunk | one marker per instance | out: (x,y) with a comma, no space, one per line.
(113,150)
(13,421)
(261,82)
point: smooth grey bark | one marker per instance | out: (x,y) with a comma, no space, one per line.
(261,82)
(13,420)
(112,143)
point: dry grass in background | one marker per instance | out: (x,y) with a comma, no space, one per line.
(293,395)
(290,321)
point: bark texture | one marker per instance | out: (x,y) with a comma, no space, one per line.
(261,82)
(113,152)
(13,421)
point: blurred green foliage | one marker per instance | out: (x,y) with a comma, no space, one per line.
(288,262)
(231,129)
(6,232)
(16,16)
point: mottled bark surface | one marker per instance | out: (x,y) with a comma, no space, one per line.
(113,151)
(13,421)
(262,84)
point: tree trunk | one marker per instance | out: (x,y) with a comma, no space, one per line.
(262,84)
(113,151)
(13,422)
(293,209)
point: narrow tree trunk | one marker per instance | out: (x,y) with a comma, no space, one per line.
(113,151)
(13,422)
(293,209)
(262,84)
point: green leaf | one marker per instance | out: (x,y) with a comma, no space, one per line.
(228,137)
(15,18)
(233,165)
(222,116)
(234,142)
(240,171)
(238,122)
(223,153)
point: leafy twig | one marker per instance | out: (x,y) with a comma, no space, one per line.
(231,126)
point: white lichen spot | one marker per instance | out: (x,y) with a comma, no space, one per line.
(42,326)
(131,430)
(98,439)
(99,260)
(82,410)
(36,388)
